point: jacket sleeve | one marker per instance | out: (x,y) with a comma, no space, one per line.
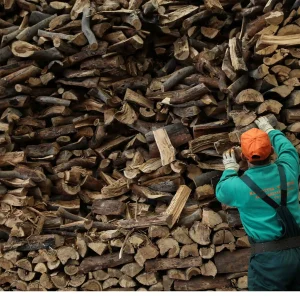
(226,190)
(286,152)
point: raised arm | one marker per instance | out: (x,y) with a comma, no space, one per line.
(284,149)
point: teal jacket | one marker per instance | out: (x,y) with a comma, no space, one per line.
(258,218)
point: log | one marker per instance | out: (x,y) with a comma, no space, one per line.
(109,260)
(177,203)
(177,133)
(188,95)
(167,151)
(288,40)
(35,243)
(87,30)
(28,33)
(108,207)
(144,253)
(189,250)
(249,96)
(176,77)
(170,263)
(236,261)
(168,245)
(200,233)
(202,284)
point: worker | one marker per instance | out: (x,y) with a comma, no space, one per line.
(266,196)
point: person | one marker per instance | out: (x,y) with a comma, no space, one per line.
(266,196)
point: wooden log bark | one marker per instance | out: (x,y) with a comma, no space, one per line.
(202,284)
(237,261)
(109,260)
(170,263)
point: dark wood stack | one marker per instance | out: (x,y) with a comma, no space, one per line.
(114,118)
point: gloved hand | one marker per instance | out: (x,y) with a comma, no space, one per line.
(229,160)
(263,124)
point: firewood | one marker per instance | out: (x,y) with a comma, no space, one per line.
(271,106)
(169,263)
(144,222)
(235,135)
(222,237)
(200,233)
(60,280)
(168,245)
(224,263)
(126,282)
(236,55)
(40,268)
(190,219)
(71,270)
(210,218)
(108,207)
(98,247)
(98,263)
(131,269)
(144,253)
(243,242)
(100,275)
(180,234)
(5,264)
(203,192)
(87,30)
(201,284)
(25,275)
(208,269)
(176,274)
(84,166)
(24,264)
(206,141)
(207,252)
(291,115)
(176,77)
(191,94)
(293,100)
(91,285)
(158,231)
(174,210)
(242,282)
(77,280)
(134,97)
(66,253)
(20,285)
(288,40)
(189,250)
(249,96)
(156,287)
(147,278)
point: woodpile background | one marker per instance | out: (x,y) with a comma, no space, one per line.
(114,117)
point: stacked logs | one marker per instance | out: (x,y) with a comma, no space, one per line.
(114,118)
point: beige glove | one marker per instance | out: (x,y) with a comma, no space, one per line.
(229,160)
(263,124)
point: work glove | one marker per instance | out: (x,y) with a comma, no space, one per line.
(263,124)
(229,160)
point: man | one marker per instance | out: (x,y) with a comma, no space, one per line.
(267,199)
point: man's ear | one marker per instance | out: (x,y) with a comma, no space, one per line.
(272,151)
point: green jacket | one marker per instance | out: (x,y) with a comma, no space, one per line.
(258,218)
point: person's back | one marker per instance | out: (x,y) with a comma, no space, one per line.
(259,216)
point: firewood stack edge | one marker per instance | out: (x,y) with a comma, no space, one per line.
(114,118)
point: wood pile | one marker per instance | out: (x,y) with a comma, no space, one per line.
(114,118)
